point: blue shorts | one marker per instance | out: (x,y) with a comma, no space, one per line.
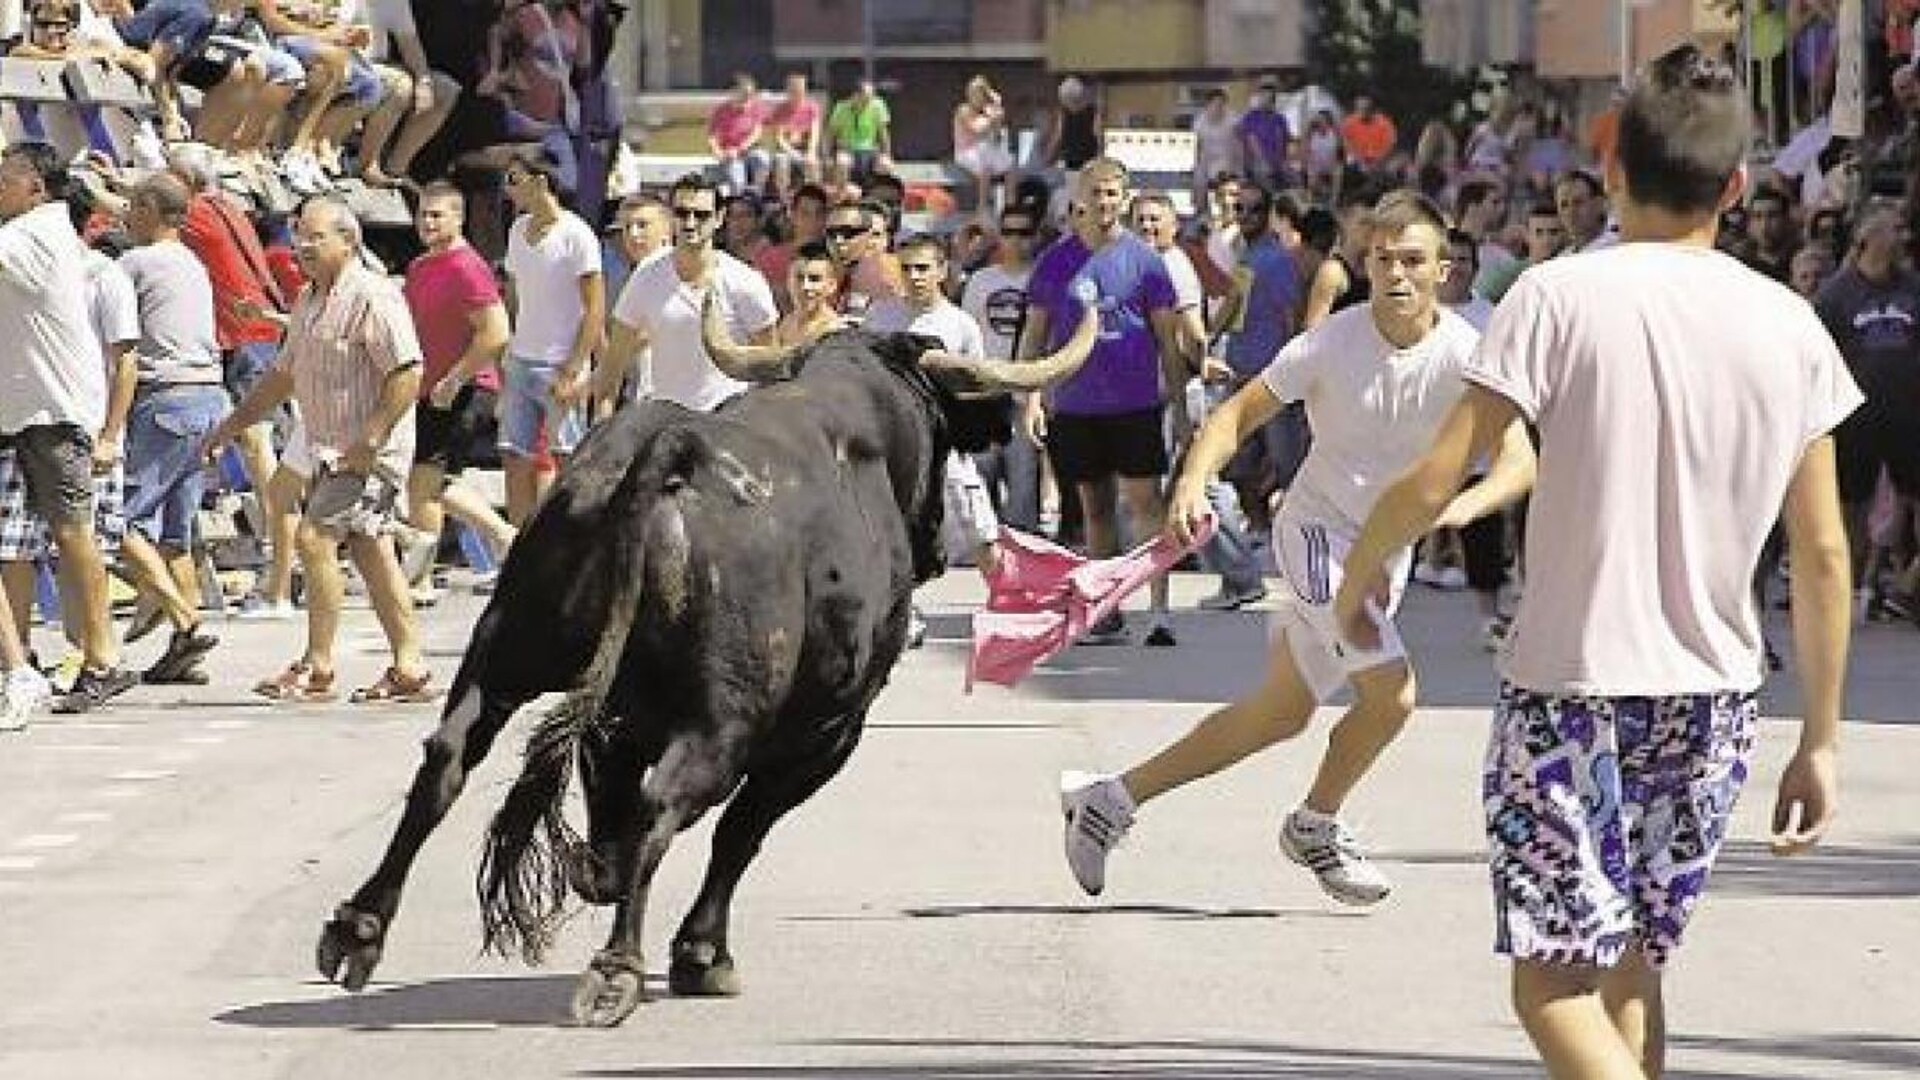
(363,84)
(1604,816)
(526,404)
(180,25)
(166,476)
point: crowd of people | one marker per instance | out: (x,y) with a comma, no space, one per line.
(1270,364)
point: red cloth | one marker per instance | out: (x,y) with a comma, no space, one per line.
(443,290)
(1040,597)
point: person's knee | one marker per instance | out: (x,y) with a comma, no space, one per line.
(1389,690)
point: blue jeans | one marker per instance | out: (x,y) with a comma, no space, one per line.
(1229,551)
(180,25)
(165,474)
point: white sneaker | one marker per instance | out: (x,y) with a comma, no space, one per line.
(1329,849)
(1099,812)
(254,609)
(26,692)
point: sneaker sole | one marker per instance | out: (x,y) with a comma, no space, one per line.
(1298,858)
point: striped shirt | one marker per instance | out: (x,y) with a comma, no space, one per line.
(340,347)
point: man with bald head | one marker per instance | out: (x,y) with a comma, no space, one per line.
(352,362)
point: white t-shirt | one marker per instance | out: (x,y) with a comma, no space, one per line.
(958,332)
(546,287)
(113,311)
(1187,292)
(997,299)
(1374,408)
(1675,392)
(656,302)
(51,371)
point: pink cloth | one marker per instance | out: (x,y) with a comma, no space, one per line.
(1041,597)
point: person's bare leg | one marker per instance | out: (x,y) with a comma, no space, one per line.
(281,504)
(21,583)
(523,487)
(186,577)
(224,108)
(1561,1009)
(13,647)
(1631,992)
(467,506)
(325,76)
(392,602)
(381,124)
(424,510)
(326,593)
(1098,517)
(153,577)
(84,572)
(1278,709)
(263,120)
(1147,514)
(1382,702)
(419,128)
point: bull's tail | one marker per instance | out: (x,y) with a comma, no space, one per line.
(523,879)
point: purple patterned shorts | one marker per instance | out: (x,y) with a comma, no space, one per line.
(1604,816)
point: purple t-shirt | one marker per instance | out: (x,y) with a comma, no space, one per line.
(1123,375)
(1266,131)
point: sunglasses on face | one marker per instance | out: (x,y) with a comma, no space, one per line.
(846,232)
(693,213)
(1016,230)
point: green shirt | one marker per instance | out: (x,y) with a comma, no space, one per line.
(858,128)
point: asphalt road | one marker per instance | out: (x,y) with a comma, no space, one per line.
(165,866)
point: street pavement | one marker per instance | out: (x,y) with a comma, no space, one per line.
(165,866)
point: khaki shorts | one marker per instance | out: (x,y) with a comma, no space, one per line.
(347,504)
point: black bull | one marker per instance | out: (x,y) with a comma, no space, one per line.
(721,597)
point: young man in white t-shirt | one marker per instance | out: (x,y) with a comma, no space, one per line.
(559,302)
(996,296)
(1377,379)
(659,309)
(1682,400)
(970,523)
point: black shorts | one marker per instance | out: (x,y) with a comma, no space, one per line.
(1086,449)
(448,438)
(56,460)
(1873,438)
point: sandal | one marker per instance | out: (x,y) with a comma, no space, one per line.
(396,688)
(300,682)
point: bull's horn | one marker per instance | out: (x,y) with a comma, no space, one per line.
(1035,374)
(748,363)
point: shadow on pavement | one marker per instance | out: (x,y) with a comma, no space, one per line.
(498,1001)
(1098,1060)
(1747,868)
(1172,912)
(1897,1053)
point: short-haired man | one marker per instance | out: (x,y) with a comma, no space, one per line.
(352,364)
(996,296)
(1104,423)
(1582,203)
(1227,552)
(560,311)
(869,271)
(733,135)
(1775,233)
(461,323)
(971,526)
(1378,378)
(1546,235)
(54,384)
(1671,436)
(1480,211)
(659,310)
(178,399)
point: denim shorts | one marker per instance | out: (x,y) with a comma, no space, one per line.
(526,405)
(180,25)
(1604,817)
(166,476)
(363,84)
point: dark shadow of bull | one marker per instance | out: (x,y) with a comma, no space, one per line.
(721,596)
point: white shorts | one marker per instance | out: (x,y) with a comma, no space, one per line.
(970,521)
(1312,556)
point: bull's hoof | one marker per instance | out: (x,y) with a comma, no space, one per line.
(591,876)
(700,969)
(609,991)
(349,946)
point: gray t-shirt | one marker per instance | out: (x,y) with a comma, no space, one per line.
(177,346)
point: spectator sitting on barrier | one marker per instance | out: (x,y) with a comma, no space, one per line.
(248,83)
(733,135)
(395,99)
(860,133)
(166,30)
(793,123)
(980,141)
(329,51)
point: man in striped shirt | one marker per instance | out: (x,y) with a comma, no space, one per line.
(352,363)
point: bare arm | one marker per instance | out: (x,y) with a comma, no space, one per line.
(1822,603)
(1512,474)
(398,392)
(1229,425)
(1180,355)
(1408,508)
(486,345)
(123,379)
(624,344)
(759,361)
(275,387)
(1330,282)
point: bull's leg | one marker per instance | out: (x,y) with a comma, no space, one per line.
(702,966)
(601,868)
(355,935)
(694,774)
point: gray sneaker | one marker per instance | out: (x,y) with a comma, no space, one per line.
(1231,599)
(1332,852)
(1099,811)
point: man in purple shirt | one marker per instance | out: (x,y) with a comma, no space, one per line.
(1105,422)
(1264,136)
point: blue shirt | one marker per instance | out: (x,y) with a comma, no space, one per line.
(1123,374)
(1270,306)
